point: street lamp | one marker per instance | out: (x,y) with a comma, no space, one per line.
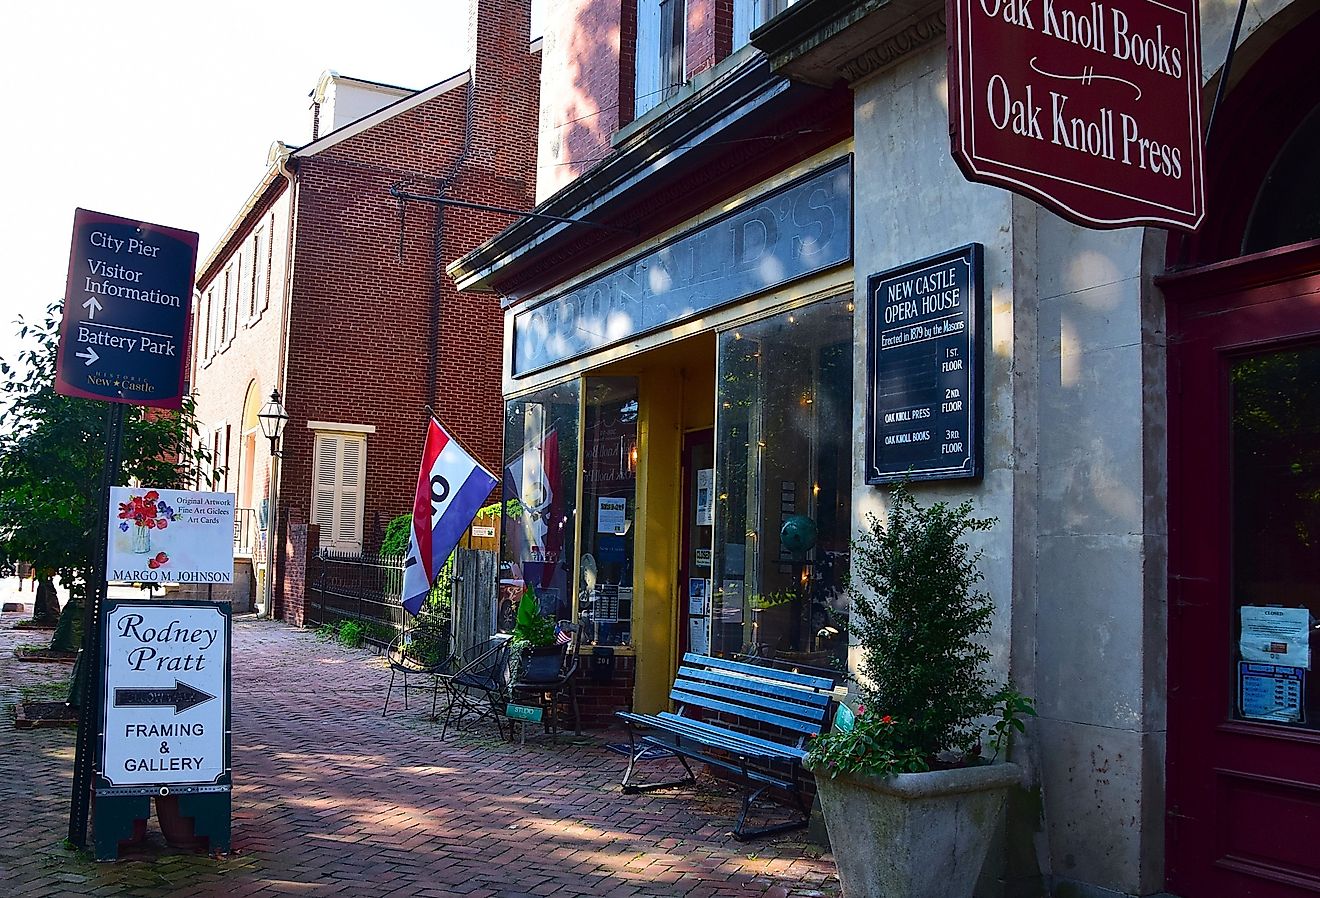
(272,419)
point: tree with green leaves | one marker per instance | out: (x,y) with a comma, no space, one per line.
(52,452)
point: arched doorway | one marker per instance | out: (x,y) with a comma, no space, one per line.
(1243,763)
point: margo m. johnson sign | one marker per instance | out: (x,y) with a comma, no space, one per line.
(1091,107)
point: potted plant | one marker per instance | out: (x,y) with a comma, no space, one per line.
(909,797)
(539,656)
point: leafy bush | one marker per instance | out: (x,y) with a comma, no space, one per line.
(919,620)
(397,531)
(533,627)
(351,635)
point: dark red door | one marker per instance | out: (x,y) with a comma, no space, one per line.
(1243,811)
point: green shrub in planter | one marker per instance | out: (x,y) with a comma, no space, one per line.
(919,622)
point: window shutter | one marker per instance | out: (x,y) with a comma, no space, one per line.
(339,482)
(648,89)
(324,483)
(348,528)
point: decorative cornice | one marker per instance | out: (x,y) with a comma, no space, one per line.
(895,47)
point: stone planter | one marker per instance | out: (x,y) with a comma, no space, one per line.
(914,835)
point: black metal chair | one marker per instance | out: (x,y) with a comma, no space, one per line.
(418,652)
(479,689)
(548,692)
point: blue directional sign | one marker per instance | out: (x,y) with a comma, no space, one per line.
(126,309)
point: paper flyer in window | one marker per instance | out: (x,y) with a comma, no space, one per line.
(705,511)
(1276,635)
(1271,692)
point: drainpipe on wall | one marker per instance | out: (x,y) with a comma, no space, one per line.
(280,157)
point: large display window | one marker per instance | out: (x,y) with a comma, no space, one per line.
(609,510)
(540,489)
(783,468)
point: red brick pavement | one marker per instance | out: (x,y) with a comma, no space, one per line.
(331,799)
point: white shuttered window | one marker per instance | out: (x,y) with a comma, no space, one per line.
(339,480)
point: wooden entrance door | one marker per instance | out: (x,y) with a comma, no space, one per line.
(1243,802)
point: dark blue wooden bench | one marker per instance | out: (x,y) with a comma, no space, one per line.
(774,712)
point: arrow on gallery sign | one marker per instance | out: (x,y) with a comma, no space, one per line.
(93,305)
(182,697)
(89,354)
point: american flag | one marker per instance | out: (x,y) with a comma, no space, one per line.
(563,636)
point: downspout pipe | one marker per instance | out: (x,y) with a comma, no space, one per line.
(280,156)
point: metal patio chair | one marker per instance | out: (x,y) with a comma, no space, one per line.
(405,662)
(479,689)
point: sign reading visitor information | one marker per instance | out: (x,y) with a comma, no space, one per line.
(166,711)
(126,308)
(170,536)
(790,233)
(1091,107)
(924,369)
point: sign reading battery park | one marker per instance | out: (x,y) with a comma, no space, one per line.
(170,536)
(797,230)
(126,308)
(166,694)
(1091,107)
(924,369)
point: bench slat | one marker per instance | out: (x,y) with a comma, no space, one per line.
(701,726)
(769,673)
(751,700)
(810,697)
(779,720)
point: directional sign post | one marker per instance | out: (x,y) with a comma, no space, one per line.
(127,304)
(165,718)
(126,309)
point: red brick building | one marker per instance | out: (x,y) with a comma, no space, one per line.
(329,289)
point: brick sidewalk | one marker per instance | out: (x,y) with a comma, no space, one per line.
(331,799)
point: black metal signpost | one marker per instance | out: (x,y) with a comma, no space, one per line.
(122,341)
(923,357)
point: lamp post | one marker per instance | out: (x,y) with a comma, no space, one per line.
(272,419)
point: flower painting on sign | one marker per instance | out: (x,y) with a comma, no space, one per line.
(170,536)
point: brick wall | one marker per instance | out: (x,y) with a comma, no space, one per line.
(588,76)
(301,543)
(597,701)
(373,337)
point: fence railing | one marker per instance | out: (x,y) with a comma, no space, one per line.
(366,588)
(247,531)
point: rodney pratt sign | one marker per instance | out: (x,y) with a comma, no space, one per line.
(1091,107)
(166,694)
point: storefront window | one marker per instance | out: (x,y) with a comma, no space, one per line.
(540,487)
(783,467)
(609,509)
(1276,535)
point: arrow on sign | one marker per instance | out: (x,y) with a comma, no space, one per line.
(182,697)
(89,354)
(93,305)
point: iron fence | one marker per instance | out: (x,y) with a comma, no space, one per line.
(366,588)
(246,531)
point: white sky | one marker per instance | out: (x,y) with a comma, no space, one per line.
(164,111)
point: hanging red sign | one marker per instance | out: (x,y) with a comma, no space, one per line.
(1091,108)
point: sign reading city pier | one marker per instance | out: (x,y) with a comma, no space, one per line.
(126,307)
(1091,107)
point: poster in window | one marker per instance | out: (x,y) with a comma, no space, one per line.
(705,516)
(1272,692)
